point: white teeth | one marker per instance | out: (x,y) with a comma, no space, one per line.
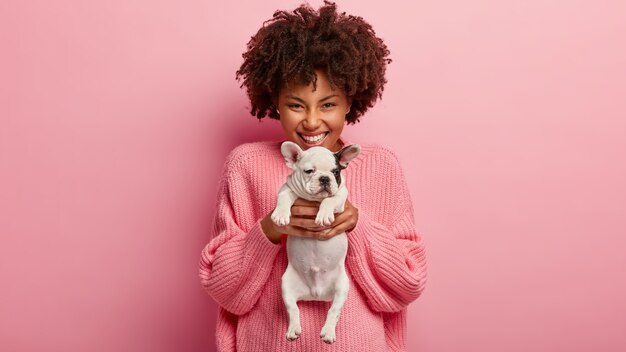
(314,139)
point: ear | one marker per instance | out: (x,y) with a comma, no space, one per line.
(292,153)
(348,153)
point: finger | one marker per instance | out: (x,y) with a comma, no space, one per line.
(304,210)
(348,217)
(304,202)
(326,235)
(308,224)
(340,218)
(335,230)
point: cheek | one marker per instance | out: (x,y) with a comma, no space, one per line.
(288,123)
(337,122)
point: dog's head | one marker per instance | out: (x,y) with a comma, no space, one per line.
(317,170)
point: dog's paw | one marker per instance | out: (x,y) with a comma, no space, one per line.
(325,216)
(328,334)
(294,331)
(280,217)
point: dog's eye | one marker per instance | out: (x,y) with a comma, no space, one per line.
(308,172)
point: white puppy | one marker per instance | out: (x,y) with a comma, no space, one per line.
(316,270)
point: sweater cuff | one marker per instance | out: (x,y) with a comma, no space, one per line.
(259,248)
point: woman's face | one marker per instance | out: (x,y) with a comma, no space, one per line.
(313,118)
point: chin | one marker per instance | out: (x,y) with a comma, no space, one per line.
(323,194)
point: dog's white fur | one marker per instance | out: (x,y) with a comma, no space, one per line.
(316,270)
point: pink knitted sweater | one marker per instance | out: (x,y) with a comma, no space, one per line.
(241,269)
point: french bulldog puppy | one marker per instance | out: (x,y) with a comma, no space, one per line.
(316,270)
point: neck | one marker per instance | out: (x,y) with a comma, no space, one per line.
(337,147)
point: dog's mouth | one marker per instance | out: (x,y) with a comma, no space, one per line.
(325,191)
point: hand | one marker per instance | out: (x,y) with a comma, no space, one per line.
(302,222)
(344,222)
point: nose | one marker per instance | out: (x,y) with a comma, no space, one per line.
(324,180)
(312,121)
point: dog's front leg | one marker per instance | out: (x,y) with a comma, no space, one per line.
(330,206)
(286,198)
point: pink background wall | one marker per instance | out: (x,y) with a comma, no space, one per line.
(508,116)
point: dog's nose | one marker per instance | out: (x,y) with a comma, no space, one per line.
(324,180)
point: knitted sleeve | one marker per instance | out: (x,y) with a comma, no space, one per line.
(388,260)
(237,262)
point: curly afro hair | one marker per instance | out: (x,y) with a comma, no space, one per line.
(294,44)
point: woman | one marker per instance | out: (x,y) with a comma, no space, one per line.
(315,71)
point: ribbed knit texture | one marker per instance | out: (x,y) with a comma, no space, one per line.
(241,269)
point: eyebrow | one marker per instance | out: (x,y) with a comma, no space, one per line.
(302,101)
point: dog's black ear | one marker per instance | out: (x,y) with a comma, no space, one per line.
(291,152)
(346,154)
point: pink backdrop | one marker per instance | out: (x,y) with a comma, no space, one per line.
(508,116)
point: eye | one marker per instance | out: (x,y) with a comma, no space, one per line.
(308,172)
(328,105)
(294,106)
(336,173)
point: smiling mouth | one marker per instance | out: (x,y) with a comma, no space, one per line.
(314,140)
